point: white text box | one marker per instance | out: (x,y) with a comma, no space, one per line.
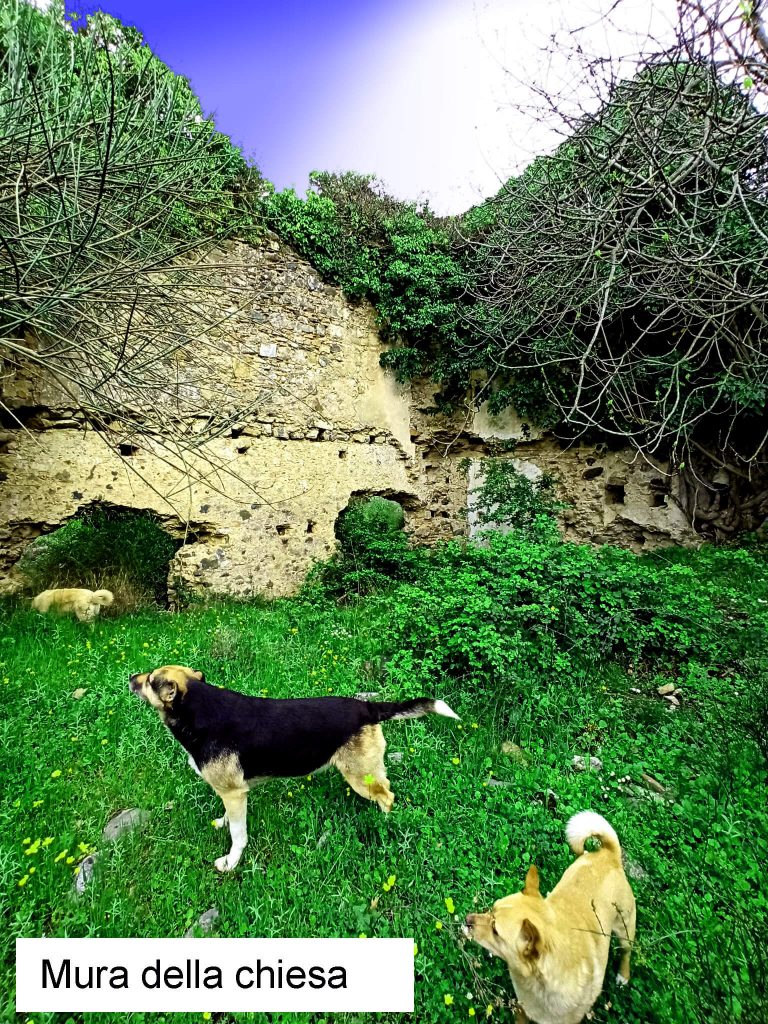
(230,975)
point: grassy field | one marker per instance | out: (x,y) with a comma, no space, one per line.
(468,818)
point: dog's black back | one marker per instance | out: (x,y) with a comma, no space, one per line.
(274,737)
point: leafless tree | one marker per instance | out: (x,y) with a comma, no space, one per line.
(116,195)
(623,279)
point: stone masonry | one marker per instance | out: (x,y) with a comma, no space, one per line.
(254,509)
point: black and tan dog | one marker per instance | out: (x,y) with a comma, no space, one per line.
(235,741)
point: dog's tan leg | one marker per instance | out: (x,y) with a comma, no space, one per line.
(624,929)
(236,808)
(361,762)
(87,613)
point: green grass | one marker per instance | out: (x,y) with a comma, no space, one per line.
(318,856)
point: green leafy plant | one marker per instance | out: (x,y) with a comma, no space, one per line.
(506,498)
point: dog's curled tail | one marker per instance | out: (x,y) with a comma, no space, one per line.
(384,710)
(104,597)
(585,825)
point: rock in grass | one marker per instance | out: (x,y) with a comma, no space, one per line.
(652,783)
(396,755)
(514,752)
(79,692)
(85,874)
(666,689)
(581,764)
(633,869)
(124,821)
(640,793)
(204,923)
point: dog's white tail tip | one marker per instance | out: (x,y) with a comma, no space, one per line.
(586,824)
(441,708)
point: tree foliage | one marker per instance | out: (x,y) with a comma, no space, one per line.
(398,255)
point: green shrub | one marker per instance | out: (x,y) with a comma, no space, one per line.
(398,255)
(518,604)
(122,550)
(373,551)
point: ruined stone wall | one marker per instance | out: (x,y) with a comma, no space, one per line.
(257,507)
(613,497)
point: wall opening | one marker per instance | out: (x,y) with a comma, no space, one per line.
(614,494)
(659,490)
(368,516)
(104,547)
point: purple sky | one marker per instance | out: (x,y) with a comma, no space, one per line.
(415,91)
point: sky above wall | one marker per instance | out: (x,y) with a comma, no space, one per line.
(422,93)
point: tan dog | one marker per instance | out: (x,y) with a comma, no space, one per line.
(85,604)
(556,948)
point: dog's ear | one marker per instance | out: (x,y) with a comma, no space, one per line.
(529,940)
(531,887)
(165,689)
(200,676)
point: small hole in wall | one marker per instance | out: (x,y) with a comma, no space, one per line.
(310,526)
(658,493)
(591,474)
(282,529)
(342,453)
(235,431)
(639,539)
(242,449)
(127,449)
(614,494)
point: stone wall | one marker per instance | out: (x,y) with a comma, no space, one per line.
(257,507)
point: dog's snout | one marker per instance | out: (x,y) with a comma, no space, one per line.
(469,920)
